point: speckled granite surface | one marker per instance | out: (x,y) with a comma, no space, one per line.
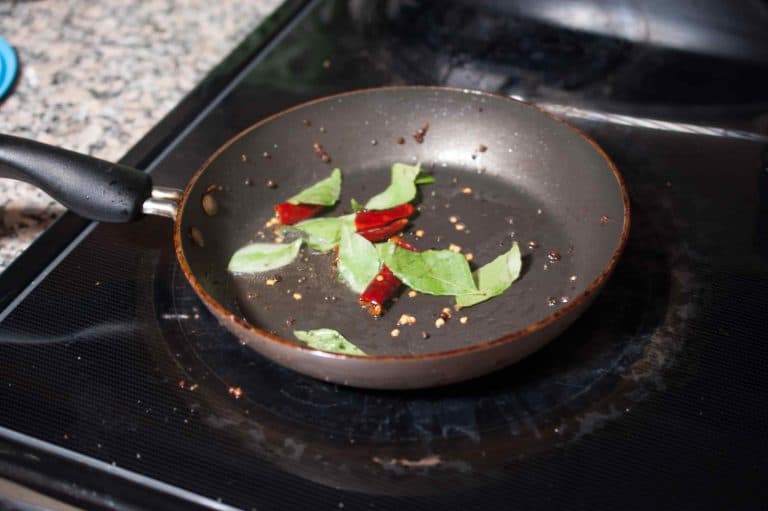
(96,76)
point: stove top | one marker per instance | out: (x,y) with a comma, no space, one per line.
(115,382)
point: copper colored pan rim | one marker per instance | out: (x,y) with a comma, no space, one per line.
(223,312)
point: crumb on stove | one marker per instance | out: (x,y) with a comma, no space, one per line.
(482,148)
(460,227)
(446,313)
(271,184)
(425,335)
(395,332)
(279,239)
(297,296)
(244,157)
(466,190)
(454,248)
(464,320)
(439,322)
(419,233)
(182,384)
(193,387)
(412,294)
(406,319)
(400,140)
(273,280)
(237,392)
(272,222)
(453,219)
(469,256)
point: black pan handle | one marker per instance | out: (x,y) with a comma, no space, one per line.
(92,188)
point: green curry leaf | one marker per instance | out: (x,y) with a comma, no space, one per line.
(259,257)
(435,272)
(495,277)
(424,179)
(326,339)
(322,193)
(401,189)
(323,233)
(358,261)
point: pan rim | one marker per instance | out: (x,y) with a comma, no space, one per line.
(573,304)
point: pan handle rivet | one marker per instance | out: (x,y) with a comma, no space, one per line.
(163,202)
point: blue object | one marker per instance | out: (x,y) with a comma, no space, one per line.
(9,66)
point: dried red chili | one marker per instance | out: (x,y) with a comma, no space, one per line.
(379,291)
(400,242)
(383,287)
(369,219)
(385,232)
(289,214)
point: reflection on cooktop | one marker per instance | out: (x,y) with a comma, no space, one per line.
(540,49)
(387,442)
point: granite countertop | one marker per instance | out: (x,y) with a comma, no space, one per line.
(96,76)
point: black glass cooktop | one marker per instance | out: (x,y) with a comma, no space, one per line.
(116,384)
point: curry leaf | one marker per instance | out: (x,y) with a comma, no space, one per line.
(356,206)
(326,339)
(424,179)
(358,260)
(382,249)
(323,233)
(495,277)
(401,189)
(435,272)
(322,193)
(258,257)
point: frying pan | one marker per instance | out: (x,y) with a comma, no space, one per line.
(505,170)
